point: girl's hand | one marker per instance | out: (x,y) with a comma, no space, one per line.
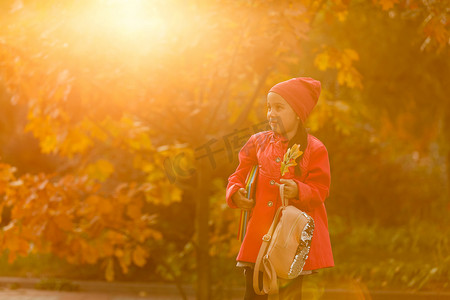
(240,200)
(290,188)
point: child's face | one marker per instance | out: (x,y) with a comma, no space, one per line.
(282,118)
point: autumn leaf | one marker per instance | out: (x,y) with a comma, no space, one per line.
(118,253)
(64,222)
(75,141)
(134,209)
(123,265)
(139,256)
(322,61)
(125,261)
(105,206)
(12,255)
(351,54)
(386,4)
(149,233)
(342,16)
(343,61)
(6,172)
(109,271)
(289,158)
(100,170)
(52,232)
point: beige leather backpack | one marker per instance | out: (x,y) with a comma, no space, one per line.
(285,247)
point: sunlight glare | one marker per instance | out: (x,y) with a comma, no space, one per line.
(127,19)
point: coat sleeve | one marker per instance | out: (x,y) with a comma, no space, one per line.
(315,189)
(247,159)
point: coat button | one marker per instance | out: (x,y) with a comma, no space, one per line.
(270,204)
(277,159)
(272,182)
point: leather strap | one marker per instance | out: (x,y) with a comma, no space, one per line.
(284,202)
(270,284)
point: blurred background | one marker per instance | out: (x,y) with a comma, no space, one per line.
(120,122)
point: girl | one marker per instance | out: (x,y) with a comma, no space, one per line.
(289,103)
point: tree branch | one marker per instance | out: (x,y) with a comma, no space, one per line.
(248,106)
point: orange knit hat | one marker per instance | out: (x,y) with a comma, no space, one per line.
(302,94)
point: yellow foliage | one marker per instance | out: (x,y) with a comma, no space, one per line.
(90,253)
(64,222)
(322,61)
(12,255)
(289,158)
(342,61)
(133,209)
(100,170)
(125,261)
(122,193)
(111,127)
(342,16)
(105,249)
(139,256)
(49,143)
(105,206)
(109,272)
(105,227)
(75,142)
(6,173)
(149,233)
(53,233)
(386,4)
(332,110)
(43,129)
(351,54)
(95,130)
(140,141)
(119,253)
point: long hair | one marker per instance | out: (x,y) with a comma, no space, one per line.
(301,138)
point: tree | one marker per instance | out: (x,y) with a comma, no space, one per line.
(136,109)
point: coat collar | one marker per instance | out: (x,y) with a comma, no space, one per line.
(277,138)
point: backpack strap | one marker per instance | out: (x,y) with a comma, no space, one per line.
(270,284)
(284,201)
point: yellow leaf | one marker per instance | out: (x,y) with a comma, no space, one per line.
(134,210)
(64,222)
(105,206)
(6,172)
(322,61)
(12,257)
(118,252)
(89,252)
(289,158)
(141,141)
(94,130)
(352,54)
(387,4)
(139,256)
(49,144)
(23,247)
(109,272)
(342,15)
(100,170)
(125,261)
(52,232)
(123,265)
(76,141)
(147,233)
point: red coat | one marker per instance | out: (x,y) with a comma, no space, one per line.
(264,149)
